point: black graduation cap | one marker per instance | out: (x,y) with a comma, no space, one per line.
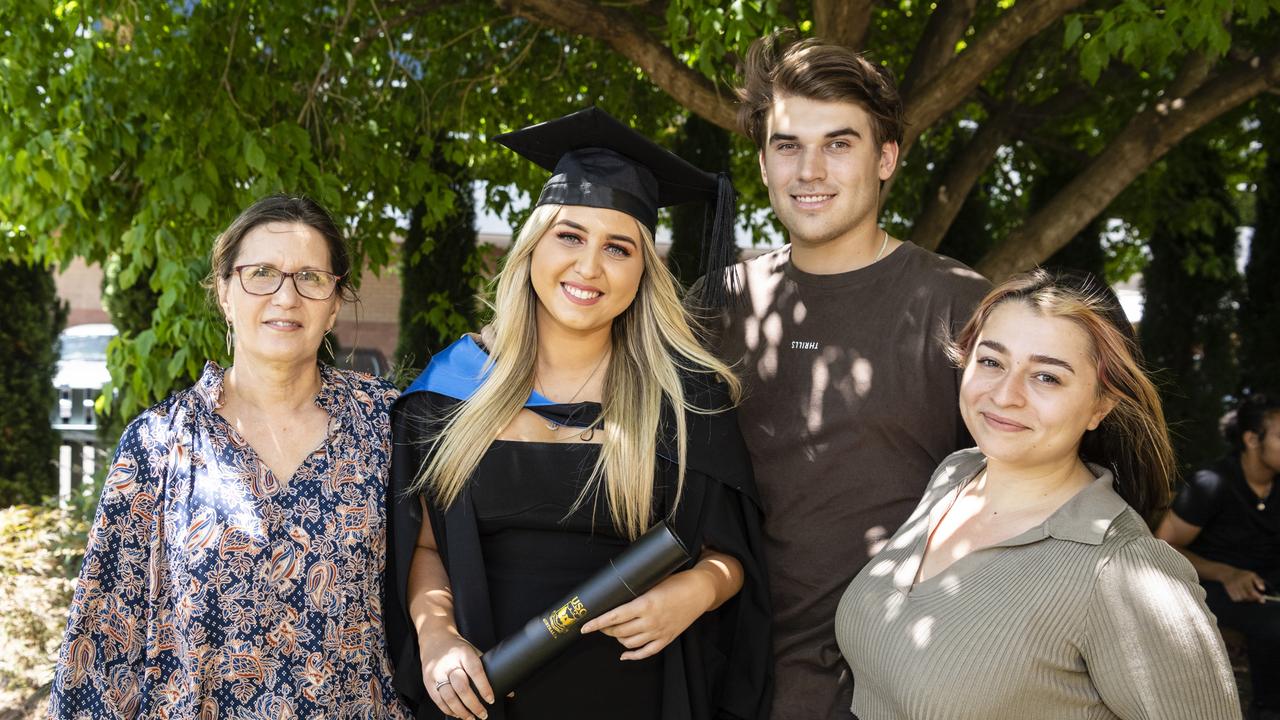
(598,161)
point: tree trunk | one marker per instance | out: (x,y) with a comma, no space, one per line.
(842,22)
(1260,307)
(1187,324)
(1147,137)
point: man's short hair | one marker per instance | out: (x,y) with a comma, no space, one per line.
(778,64)
(1250,415)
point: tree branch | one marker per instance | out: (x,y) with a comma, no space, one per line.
(843,22)
(631,39)
(933,99)
(1191,75)
(1147,137)
(947,24)
(309,104)
(383,29)
(942,204)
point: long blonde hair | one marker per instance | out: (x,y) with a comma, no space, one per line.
(652,344)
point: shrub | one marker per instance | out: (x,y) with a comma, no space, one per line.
(29,328)
(41,549)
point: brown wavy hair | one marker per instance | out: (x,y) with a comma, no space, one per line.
(1133,439)
(781,64)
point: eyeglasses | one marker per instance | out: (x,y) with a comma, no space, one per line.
(266,280)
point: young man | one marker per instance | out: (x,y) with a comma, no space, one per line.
(1226,521)
(851,400)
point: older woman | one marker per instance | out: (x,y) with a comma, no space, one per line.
(234,566)
(1027,583)
(540,450)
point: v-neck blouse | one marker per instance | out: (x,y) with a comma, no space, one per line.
(212,588)
(1085,615)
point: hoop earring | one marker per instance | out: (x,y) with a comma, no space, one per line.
(230,339)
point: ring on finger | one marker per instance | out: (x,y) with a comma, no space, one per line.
(442,683)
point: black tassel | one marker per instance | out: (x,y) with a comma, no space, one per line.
(719,249)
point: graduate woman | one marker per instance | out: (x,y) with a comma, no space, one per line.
(585,414)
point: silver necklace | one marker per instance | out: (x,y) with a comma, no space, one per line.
(883,244)
(553,425)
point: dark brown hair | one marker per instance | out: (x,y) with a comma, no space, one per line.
(1133,439)
(285,209)
(779,64)
(1248,416)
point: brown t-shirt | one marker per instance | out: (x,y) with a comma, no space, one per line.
(850,405)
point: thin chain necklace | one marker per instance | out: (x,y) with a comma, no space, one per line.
(553,425)
(883,244)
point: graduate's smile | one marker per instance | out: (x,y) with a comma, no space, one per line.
(581,294)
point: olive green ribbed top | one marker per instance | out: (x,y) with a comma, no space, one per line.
(1083,616)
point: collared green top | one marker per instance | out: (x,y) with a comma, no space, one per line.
(1085,615)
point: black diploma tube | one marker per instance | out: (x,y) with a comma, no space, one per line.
(641,566)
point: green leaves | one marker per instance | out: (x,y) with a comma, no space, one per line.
(151,130)
(1146,35)
(139,134)
(253,155)
(704,34)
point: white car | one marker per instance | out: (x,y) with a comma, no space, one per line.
(82,371)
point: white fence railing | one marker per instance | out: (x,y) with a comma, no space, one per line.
(78,456)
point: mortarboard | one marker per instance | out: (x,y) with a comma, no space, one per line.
(598,161)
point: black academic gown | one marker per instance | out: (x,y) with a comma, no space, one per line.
(720,667)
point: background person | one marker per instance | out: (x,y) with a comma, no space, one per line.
(1226,521)
(849,399)
(1027,584)
(234,566)
(540,451)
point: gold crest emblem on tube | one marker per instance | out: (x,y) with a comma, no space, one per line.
(559,622)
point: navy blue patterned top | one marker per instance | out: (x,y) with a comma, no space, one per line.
(213,589)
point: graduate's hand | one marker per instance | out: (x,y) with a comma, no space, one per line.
(450,667)
(650,622)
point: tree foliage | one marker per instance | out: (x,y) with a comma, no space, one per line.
(1191,285)
(29,330)
(439,273)
(140,129)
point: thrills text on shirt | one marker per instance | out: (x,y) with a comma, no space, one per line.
(803,345)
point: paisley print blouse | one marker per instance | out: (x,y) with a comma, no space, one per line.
(213,589)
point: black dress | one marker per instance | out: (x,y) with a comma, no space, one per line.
(511,549)
(534,552)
